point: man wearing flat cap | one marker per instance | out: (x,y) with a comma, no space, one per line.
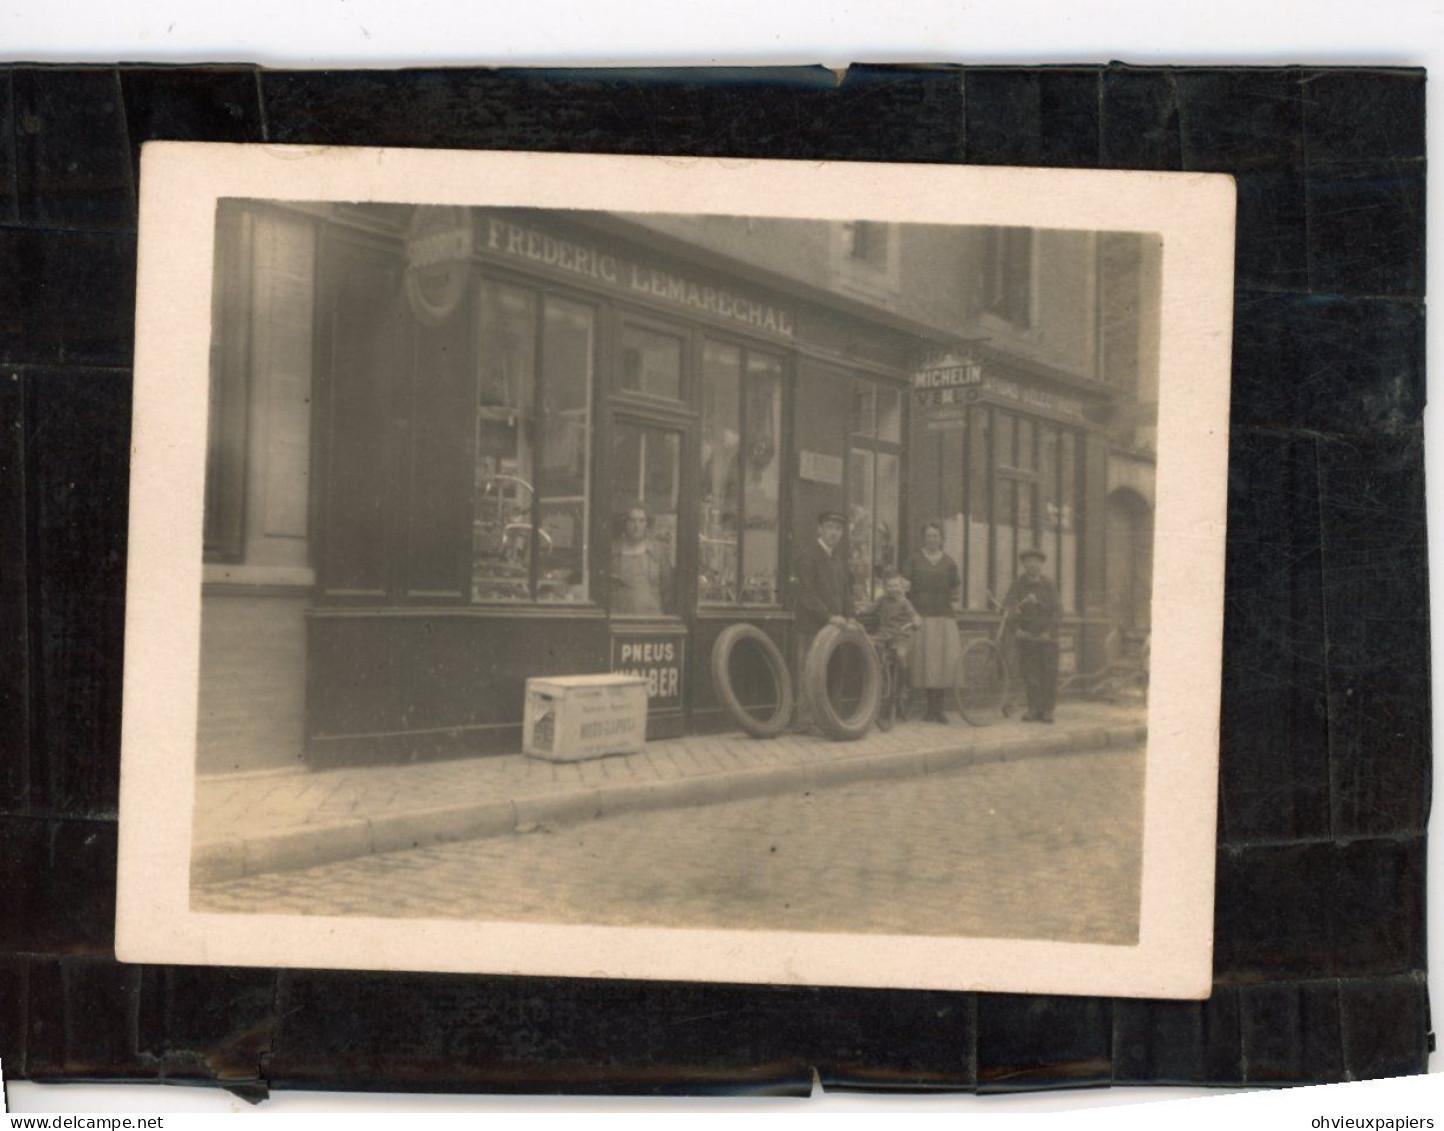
(821,595)
(1033,607)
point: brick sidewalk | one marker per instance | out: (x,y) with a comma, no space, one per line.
(245,826)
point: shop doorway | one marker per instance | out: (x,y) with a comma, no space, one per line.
(650,555)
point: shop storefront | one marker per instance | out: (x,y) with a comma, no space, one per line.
(1007,457)
(510,444)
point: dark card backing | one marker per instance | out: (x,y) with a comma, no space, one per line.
(1325,772)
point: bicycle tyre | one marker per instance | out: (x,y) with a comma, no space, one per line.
(722,649)
(843,728)
(980,684)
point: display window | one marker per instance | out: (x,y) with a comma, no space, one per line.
(533,446)
(740,490)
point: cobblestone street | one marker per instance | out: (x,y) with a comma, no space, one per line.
(1045,848)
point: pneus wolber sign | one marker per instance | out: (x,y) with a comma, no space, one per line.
(657,658)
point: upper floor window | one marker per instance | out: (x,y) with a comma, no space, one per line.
(1008,274)
(867,241)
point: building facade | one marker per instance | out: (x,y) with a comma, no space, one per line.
(430,425)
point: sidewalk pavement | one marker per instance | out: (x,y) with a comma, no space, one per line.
(247,825)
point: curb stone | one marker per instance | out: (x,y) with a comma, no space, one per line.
(310,845)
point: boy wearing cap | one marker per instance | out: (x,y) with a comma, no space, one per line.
(1032,605)
(821,595)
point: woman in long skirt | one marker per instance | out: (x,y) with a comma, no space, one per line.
(934,581)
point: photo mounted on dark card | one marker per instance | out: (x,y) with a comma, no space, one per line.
(741,571)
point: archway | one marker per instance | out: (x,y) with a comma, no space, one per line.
(1130,562)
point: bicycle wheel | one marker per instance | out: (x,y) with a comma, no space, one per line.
(980,687)
(887,697)
(902,695)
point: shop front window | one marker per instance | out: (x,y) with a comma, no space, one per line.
(1021,492)
(646,478)
(1053,522)
(533,447)
(740,491)
(1014,485)
(761,480)
(874,486)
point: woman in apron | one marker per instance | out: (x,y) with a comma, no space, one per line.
(641,575)
(934,581)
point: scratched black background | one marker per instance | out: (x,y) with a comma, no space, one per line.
(1325,780)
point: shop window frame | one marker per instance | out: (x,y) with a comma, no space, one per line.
(618,317)
(483,272)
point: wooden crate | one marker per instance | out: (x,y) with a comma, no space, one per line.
(573,718)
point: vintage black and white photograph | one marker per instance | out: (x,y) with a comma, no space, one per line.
(752,571)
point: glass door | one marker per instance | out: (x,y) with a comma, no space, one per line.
(646,506)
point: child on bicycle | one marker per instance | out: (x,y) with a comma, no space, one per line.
(897,620)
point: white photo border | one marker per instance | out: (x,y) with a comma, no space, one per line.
(180,185)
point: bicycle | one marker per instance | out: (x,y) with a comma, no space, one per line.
(984,683)
(895,691)
(1123,676)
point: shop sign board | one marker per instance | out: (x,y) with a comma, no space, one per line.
(942,394)
(579,259)
(819,468)
(655,657)
(948,372)
(1031,396)
(438,261)
(943,385)
(947,415)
